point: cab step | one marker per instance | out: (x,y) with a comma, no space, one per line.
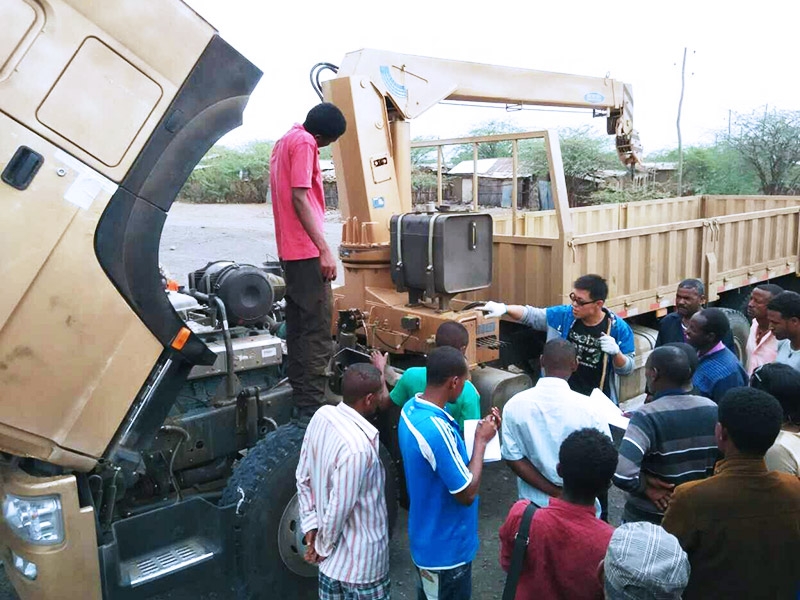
(165,561)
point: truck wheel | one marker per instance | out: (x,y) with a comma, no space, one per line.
(740,328)
(271,542)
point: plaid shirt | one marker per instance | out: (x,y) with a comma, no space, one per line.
(330,589)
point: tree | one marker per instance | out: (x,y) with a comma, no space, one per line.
(583,153)
(486,149)
(769,141)
(717,169)
(230,174)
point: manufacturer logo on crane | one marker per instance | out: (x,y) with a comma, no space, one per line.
(594,97)
(398,90)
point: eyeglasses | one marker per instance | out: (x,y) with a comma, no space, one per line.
(575,300)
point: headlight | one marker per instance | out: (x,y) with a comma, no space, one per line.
(35,519)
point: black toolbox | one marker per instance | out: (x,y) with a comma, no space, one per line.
(441,253)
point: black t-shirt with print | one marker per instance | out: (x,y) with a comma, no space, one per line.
(590,357)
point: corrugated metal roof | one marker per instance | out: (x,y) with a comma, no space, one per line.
(661,166)
(494,168)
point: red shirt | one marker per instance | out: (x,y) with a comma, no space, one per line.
(295,164)
(567,542)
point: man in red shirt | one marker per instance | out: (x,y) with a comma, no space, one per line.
(298,203)
(567,540)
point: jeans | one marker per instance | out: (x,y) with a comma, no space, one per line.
(308,331)
(445,584)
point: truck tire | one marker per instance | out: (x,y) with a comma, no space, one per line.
(740,328)
(263,487)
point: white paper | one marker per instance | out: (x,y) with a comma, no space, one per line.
(607,410)
(492,453)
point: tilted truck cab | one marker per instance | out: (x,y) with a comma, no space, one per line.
(105,108)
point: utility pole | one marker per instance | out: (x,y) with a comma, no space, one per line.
(680,144)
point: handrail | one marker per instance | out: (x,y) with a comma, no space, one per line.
(558,184)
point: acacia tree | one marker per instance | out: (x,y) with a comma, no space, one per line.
(769,141)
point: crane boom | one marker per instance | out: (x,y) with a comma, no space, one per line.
(380,91)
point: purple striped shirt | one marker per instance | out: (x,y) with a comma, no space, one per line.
(340,488)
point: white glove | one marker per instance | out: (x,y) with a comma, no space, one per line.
(494,309)
(609,345)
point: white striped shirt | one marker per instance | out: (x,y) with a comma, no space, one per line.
(340,488)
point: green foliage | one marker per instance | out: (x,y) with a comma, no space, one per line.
(230,174)
(488,149)
(583,153)
(717,169)
(770,143)
(614,196)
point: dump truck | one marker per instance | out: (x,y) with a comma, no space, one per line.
(145,432)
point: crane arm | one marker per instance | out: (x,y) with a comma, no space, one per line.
(381,91)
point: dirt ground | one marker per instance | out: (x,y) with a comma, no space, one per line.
(195,234)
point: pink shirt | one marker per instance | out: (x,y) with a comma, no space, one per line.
(295,164)
(761,353)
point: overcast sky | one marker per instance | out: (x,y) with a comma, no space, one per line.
(741,56)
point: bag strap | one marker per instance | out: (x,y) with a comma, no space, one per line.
(518,555)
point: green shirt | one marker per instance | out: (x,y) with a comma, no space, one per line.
(466,406)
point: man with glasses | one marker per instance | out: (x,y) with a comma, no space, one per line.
(604,341)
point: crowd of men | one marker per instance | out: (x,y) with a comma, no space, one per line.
(709,463)
(701,499)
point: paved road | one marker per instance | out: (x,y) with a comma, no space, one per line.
(195,234)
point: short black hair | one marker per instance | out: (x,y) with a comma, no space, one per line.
(588,460)
(453,334)
(672,363)
(752,418)
(594,284)
(689,350)
(693,284)
(559,353)
(716,322)
(327,120)
(770,288)
(782,382)
(787,303)
(359,380)
(444,363)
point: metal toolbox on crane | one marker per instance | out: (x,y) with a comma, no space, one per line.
(441,253)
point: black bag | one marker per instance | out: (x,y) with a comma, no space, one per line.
(518,555)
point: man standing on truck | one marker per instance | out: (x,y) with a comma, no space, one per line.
(762,345)
(309,265)
(604,341)
(340,490)
(690,298)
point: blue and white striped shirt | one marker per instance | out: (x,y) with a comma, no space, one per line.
(443,533)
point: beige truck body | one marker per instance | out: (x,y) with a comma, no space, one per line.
(645,249)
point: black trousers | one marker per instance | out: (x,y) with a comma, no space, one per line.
(308,332)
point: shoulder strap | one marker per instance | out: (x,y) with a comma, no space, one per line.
(518,555)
